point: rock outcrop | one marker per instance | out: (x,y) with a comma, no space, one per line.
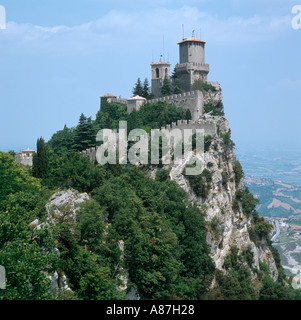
(232,225)
(62,207)
(64,204)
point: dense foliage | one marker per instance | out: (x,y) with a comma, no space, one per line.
(237,284)
(200,184)
(203,86)
(165,238)
(165,253)
(22,251)
(215,110)
(142,89)
(168,88)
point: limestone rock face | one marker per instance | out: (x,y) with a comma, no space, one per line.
(64,204)
(232,225)
(62,207)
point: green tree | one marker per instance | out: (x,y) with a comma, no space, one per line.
(188,115)
(27,253)
(165,238)
(109,115)
(162,175)
(238,172)
(215,109)
(167,88)
(90,219)
(201,184)
(73,170)
(84,134)
(138,89)
(146,90)
(14,177)
(40,160)
(152,116)
(95,281)
(62,141)
(199,84)
(177,83)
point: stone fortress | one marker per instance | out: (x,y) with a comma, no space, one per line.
(191,67)
(232,223)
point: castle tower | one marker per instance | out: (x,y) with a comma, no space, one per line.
(160,70)
(192,62)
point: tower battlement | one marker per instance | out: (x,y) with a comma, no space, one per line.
(191,67)
(191,100)
(160,70)
(208,126)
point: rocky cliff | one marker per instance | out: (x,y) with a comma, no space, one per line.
(233,225)
(228,226)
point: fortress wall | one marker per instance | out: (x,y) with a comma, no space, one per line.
(192,100)
(117,100)
(131,104)
(208,126)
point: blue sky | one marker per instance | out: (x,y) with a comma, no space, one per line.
(58,57)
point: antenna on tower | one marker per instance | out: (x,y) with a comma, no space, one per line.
(163,49)
(183,31)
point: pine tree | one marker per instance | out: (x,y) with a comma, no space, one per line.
(174,74)
(40,160)
(167,88)
(84,134)
(188,115)
(146,91)
(138,89)
(176,82)
(177,90)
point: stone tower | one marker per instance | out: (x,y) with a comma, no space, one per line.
(192,63)
(160,70)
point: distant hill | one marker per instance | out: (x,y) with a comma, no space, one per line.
(277,199)
(274,165)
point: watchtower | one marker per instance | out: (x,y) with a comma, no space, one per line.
(160,70)
(192,64)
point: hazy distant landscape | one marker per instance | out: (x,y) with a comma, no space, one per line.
(276,180)
(275,165)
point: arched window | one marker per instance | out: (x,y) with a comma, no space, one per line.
(166,72)
(157,72)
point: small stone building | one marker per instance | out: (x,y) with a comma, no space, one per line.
(135,103)
(25,157)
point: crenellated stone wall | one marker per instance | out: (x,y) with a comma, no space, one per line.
(192,100)
(209,126)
